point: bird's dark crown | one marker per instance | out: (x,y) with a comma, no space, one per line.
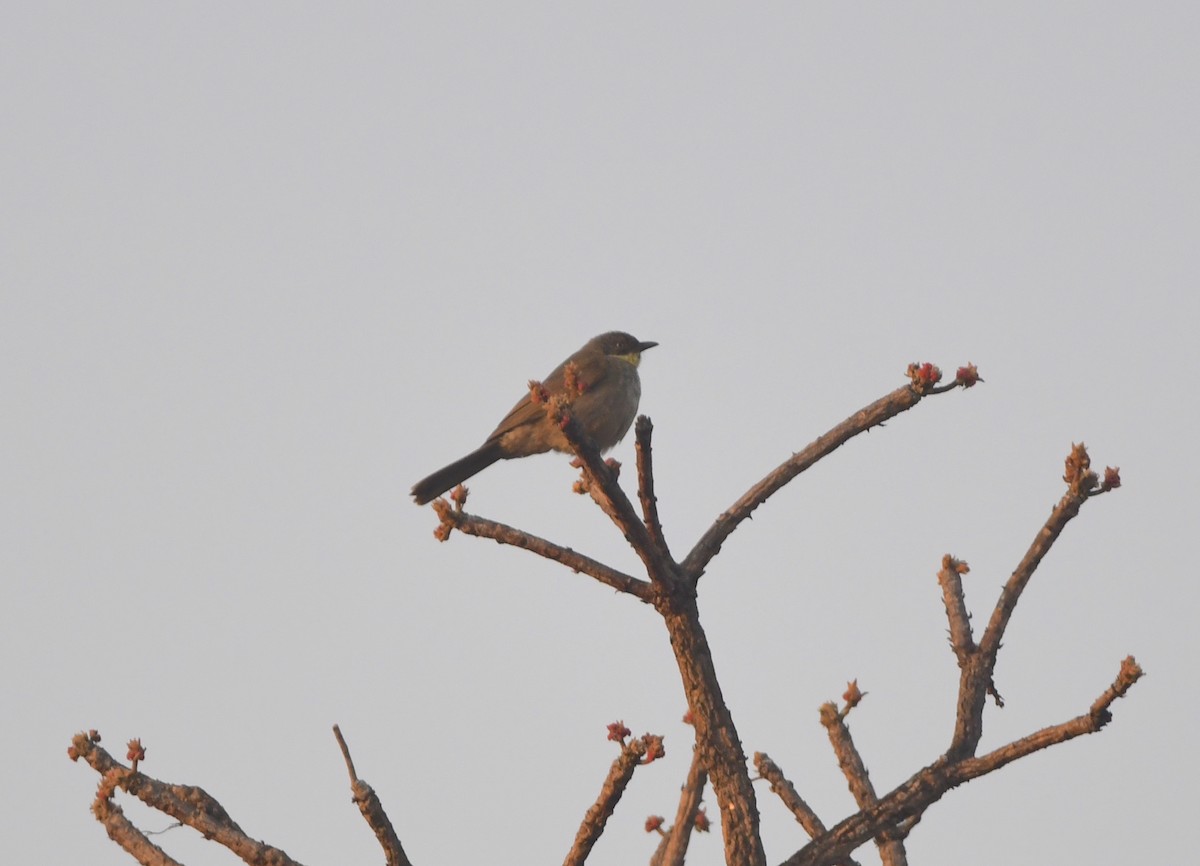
(620,343)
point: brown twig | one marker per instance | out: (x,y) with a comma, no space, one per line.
(888,840)
(1097,716)
(786,791)
(645,468)
(892,817)
(470,524)
(597,816)
(121,830)
(601,483)
(674,849)
(950,579)
(977,663)
(372,810)
(185,803)
(903,806)
(341,741)
(1080,486)
(869,416)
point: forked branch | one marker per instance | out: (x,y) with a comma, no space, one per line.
(671,588)
(906,803)
(187,804)
(977,662)
(888,819)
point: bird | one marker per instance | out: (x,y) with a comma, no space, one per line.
(607,390)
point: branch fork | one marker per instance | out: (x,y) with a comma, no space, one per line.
(671,587)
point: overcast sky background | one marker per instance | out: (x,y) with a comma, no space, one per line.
(265,265)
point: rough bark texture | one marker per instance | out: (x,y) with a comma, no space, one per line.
(671,587)
(716,737)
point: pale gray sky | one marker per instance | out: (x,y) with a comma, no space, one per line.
(264,265)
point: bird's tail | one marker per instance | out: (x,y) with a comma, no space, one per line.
(428,489)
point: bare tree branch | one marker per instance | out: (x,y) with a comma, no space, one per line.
(717,740)
(1097,716)
(869,416)
(786,792)
(1081,482)
(372,810)
(977,664)
(803,813)
(600,481)
(718,755)
(470,524)
(902,806)
(119,828)
(950,579)
(675,844)
(673,592)
(187,804)
(645,468)
(889,842)
(614,786)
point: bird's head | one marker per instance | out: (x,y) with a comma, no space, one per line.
(621,345)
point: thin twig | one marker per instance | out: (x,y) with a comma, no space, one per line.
(675,849)
(481,527)
(645,469)
(372,811)
(891,848)
(870,416)
(601,483)
(978,663)
(950,579)
(597,816)
(121,830)
(786,791)
(337,732)
(1067,508)
(909,800)
(185,803)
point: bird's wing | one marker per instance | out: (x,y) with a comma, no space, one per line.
(592,371)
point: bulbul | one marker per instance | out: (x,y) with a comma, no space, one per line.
(605,401)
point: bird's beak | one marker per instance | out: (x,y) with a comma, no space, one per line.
(649,344)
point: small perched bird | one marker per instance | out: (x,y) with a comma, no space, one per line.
(607,390)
